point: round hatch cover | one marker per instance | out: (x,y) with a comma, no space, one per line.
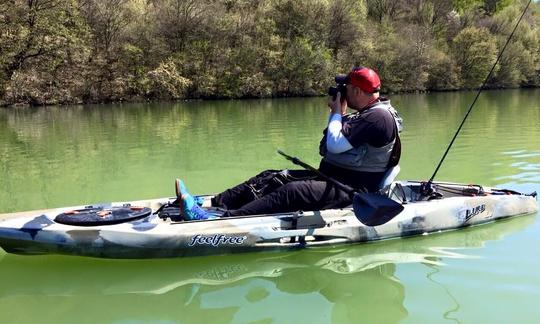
(95,216)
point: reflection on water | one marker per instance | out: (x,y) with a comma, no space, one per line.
(342,283)
(448,315)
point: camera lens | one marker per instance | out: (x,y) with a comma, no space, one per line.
(333,91)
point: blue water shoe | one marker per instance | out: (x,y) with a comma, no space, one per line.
(180,187)
(192,211)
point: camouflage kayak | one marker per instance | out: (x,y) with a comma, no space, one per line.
(140,229)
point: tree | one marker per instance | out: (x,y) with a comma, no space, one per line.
(518,63)
(493,6)
(304,70)
(465,5)
(181,21)
(41,37)
(33,29)
(167,82)
(475,51)
(108,19)
(429,13)
(381,9)
(346,24)
(443,72)
(300,19)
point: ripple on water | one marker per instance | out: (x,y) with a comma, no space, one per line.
(524,166)
(523,154)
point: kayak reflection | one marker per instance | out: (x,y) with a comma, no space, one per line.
(341,284)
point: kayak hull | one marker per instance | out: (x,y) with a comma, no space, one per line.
(153,237)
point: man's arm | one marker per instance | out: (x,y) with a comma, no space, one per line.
(335,140)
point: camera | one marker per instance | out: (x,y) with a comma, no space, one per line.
(340,87)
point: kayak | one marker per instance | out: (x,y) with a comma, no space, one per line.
(59,276)
(141,229)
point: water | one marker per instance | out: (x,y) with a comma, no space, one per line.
(53,157)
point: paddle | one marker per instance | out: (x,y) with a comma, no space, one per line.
(371,209)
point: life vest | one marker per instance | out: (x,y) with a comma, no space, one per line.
(368,158)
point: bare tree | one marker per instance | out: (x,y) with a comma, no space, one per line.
(379,9)
(24,32)
(180,20)
(108,19)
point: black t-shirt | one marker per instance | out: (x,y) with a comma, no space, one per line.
(375,127)
(372,126)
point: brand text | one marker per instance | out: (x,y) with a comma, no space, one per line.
(216,240)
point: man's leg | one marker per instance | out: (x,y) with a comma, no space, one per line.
(241,194)
(297,195)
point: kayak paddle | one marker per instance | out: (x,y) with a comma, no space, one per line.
(371,209)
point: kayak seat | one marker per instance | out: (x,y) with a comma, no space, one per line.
(389,176)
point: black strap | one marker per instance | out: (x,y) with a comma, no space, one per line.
(395,155)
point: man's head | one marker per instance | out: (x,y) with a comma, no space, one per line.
(363,86)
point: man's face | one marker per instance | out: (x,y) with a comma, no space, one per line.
(356,98)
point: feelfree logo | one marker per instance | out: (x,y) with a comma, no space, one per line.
(216,240)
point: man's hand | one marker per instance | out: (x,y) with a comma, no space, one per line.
(337,106)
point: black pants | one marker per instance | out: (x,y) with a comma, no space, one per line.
(275,191)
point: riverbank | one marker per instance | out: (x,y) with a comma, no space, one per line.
(136,100)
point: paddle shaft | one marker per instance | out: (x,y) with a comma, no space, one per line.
(306,166)
(370,209)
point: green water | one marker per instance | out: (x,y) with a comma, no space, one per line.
(61,156)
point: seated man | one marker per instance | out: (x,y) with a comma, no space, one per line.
(357,150)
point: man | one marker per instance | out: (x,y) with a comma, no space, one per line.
(357,150)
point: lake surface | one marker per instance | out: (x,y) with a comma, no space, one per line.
(62,156)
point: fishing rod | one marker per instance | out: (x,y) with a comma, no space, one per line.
(306,166)
(427,186)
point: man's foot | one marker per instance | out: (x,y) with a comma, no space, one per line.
(180,187)
(192,211)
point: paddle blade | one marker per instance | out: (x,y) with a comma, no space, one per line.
(373,209)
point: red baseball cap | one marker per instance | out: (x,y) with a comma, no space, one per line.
(363,78)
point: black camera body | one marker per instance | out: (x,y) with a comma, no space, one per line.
(340,87)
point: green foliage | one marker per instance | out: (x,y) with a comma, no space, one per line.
(493,6)
(519,63)
(465,5)
(299,19)
(72,51)
(167,82)
(443,72)
(404,59)
(475,51)
(346,24)
(303,69)
(383,9)
(41,51)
